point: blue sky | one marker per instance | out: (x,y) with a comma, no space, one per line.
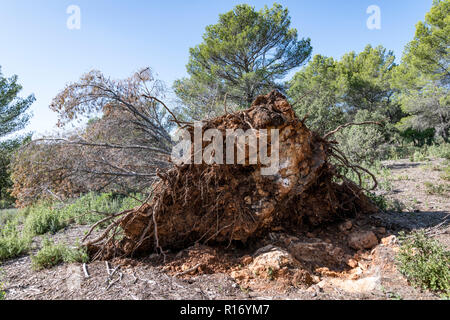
(118,37)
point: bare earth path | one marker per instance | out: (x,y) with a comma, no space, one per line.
(370,275)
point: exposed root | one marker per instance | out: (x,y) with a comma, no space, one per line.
(219,204)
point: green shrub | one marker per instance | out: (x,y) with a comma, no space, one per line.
(439,151)
(6,204)
(419,156)
(424,262)
(364,143)
(2,292)
(93,207)
(13,243)
(446,173)
(7,215)
(48,217)
(44,217)
(52,254)
(436,189)
(88,209)
(386,204)
(379,200)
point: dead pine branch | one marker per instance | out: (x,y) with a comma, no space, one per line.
(165,107)
(225,103)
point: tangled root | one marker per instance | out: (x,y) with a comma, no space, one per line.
(200,203)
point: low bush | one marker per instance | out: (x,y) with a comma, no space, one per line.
(386,204)
(51,217)
(13,242)
(7,215)
(44,217)
(424,262)
(419,156)
(439,151)
(93,207)
(52,254)
(436,189)
(446,173)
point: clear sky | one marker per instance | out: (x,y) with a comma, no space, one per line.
(120,36)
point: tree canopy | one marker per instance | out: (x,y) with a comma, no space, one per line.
(333,92)
(354,89)
(13,116)
(245,54)
(424,74)
(429,52)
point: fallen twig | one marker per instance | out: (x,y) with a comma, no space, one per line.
(107,268)
(189,270)
(85,270)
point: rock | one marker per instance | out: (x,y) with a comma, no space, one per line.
(317,253)
(362,240)
(352,263)
(270,262)
(364,265)
(363,285)
(289,240)
(264,249)
(302,277)
(246,260)
(347,225)
(388,241)
(239,275)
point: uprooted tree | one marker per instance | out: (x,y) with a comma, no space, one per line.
(221,203)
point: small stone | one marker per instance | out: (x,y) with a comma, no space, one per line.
(271,262)
(388,241)
(356,271)
(352,263)
(303,277)
(246,260)
(248,200)
(238,275)
(364,265)
(347,225)
(362,240)
(310,235)
(290,240)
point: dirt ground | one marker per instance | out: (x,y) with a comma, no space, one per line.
(331,262)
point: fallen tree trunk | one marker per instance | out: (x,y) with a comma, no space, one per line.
(221,203)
